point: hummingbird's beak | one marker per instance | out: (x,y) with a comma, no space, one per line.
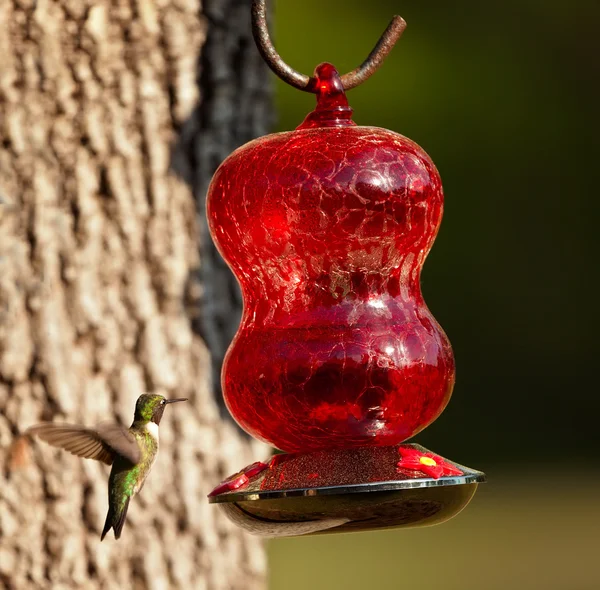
(177,399)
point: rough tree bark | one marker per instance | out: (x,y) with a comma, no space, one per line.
(113,116)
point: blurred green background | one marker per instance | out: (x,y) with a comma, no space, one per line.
(504,97)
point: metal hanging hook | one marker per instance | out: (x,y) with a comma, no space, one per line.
(302,81)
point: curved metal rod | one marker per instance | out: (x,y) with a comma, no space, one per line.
(294,78)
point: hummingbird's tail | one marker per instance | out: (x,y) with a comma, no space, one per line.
(115,520)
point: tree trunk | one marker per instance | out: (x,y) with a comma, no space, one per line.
(111,126)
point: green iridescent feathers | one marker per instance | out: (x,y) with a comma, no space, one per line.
(148,406)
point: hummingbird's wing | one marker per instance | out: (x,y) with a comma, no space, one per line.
(120,440)
(103,443)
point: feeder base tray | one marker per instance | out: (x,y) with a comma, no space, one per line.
(344,490)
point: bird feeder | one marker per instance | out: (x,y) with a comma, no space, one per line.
(337,361)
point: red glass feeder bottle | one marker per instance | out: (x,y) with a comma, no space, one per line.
(337,359)
(327,228)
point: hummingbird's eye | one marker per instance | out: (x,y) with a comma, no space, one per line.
(163,401)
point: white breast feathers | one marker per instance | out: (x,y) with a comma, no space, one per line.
(152,428)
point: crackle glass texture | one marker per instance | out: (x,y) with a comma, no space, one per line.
(327,228)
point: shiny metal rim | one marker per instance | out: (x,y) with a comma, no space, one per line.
(380,486)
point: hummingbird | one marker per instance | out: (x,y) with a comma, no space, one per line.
(131,451)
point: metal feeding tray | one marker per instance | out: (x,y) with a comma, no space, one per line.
(343,490)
